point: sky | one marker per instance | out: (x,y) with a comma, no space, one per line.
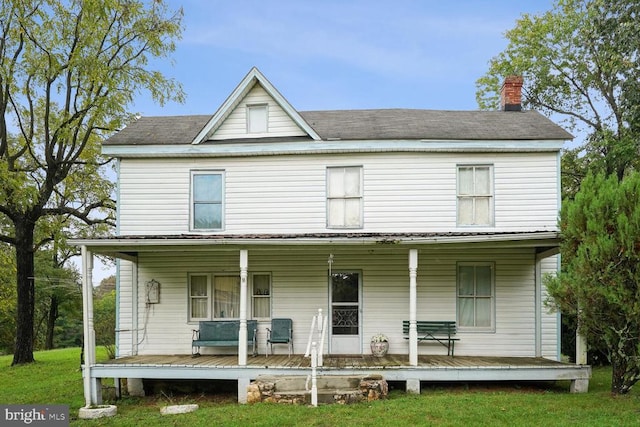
(339,54)
(333,54)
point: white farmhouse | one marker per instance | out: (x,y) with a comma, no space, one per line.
(376,217)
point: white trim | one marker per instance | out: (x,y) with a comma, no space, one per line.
(112,247)
(260,148)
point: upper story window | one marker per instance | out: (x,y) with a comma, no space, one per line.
(476,296)
(344,197)
(257,118)
(206,200)
(475,195)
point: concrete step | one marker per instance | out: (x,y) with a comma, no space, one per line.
(284,384)
(331,389)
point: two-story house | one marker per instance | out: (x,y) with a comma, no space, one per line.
(260,211)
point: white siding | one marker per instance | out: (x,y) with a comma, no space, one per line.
(124,324)
(550,318)
(403,192)
(300,287)
(279,122)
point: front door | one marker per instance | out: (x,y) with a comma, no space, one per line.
(345,313)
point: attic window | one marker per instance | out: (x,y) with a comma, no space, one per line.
(257,118)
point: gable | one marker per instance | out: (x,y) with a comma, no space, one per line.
(238,122)
(282,120)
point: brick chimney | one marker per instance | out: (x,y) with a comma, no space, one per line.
(511,94)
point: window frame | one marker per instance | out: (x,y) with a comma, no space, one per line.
(190,298)
(475,297)
(192,200)
(269,296)
(359,197)
(475,196)
(257,107)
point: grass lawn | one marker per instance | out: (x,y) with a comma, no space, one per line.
(56,379)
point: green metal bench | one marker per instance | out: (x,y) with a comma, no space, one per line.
(222,333)
(442,331)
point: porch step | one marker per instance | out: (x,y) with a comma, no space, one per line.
(331,389)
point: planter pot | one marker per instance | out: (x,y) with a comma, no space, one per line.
(379,349)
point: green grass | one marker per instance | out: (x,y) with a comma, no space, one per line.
(56,379)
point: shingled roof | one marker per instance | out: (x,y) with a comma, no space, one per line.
(395,124)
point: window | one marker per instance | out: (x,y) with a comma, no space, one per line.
(198,297)
(475,295)
(226,297)
(475,195)
(206,196)
(257,118)
(261,303)
(344,197)
(224,300)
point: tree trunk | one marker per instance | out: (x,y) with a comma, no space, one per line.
(51,322)
(24,229)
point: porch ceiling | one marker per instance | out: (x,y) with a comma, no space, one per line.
(127,247)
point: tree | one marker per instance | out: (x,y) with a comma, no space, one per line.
(68,71)
(580,61)
(599,282)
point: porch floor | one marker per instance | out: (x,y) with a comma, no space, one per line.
(393,367)
(335,362)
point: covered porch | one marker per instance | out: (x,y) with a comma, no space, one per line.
(392,367)
(410,256)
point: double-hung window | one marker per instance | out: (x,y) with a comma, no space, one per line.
(476,296)
(261,304)
(475,195)
(344,197)
(213,296)
(207,195)
(199,297)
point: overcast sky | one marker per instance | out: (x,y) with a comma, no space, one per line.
(340,54)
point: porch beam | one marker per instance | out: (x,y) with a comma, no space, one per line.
(242,335)
(413,307)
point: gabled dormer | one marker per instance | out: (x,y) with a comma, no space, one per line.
(254,110)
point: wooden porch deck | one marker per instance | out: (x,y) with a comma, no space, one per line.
(394,367)
(334,362)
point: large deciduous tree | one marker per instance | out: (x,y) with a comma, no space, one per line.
(69,69)
(600,280)
(580,62)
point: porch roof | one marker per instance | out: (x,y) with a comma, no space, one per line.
(127,246)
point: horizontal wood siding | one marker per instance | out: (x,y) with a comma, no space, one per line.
(403,192)
(279,122)
(124,324)
(300,287)
(550,317)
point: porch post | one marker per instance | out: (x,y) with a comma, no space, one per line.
(581,346)
(242,336)
(413,304)
(92,388)
(538,307)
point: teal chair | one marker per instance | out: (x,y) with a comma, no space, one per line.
(281,332)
